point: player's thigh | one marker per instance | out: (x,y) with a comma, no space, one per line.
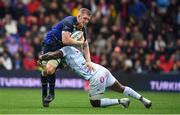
(110,78)
(112,83)
(52,65)
(97,84)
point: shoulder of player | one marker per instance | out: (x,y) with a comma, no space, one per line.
(70,20)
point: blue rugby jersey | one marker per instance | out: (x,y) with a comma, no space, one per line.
(67,24)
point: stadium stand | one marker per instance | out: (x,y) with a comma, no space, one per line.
(141,36)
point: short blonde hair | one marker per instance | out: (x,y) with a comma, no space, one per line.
(85,11)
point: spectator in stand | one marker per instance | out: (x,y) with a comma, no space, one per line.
(117,59)
(29,62)
(137,36)
(103,60)
(53,7)
(138,66)
(20,9)
(33,7)
(100,44)
(160,44)
(37,45)
(94,56)
(26,41)
(1,45)
(162,6)
(12,45)
(132,25)
(3,8)
(10,25)
(5,60)
(137,9)
(17,62)
(22,27)
(165,64)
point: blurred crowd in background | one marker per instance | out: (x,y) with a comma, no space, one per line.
(141,36)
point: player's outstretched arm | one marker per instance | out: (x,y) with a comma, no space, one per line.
(51,55)
(87,56)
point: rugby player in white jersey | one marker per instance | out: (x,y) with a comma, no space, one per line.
(98,76)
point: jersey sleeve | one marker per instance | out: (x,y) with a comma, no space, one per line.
(67,26)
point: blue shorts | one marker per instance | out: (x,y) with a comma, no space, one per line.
(50,47)
(51,43)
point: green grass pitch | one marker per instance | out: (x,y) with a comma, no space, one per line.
(28,101)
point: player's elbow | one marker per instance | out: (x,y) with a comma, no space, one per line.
(95,103)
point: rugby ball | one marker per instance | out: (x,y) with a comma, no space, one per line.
(77,35)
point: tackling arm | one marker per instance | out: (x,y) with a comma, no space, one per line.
(87,52)
(87,56)
(51,55)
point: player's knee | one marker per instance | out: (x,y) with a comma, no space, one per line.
(50,70)
(95,103)
(117,87)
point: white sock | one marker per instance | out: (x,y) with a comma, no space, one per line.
(130,92)
(145,100)
(108,102)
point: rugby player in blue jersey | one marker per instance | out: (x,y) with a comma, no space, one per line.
(56,38)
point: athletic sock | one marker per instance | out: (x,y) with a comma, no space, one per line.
(130,92)
(52,80)
(108,102)
(44,81)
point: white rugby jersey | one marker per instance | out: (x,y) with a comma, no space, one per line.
(76,61)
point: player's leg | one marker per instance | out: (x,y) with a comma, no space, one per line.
(50,70)
(97,89)
(44,83)
(105,102)
(114,85)
(44,76)
(130,92)
(46,71)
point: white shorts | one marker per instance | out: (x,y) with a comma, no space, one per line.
(98,83)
